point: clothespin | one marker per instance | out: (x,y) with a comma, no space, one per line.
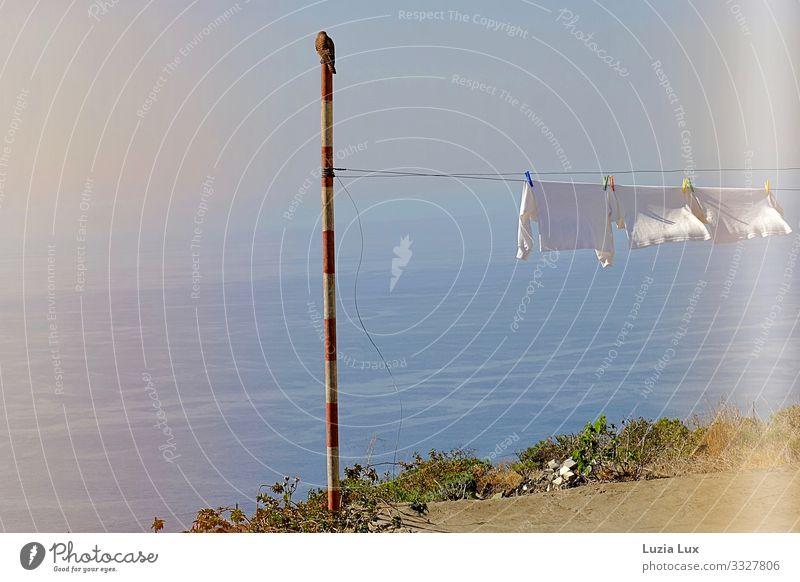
(772,199)
(608,181)
(694,205)
(612,183)
(528,176)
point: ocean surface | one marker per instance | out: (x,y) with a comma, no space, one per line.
(171,382)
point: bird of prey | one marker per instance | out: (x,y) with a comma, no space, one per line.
(326,51)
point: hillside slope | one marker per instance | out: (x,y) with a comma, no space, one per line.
(718,502)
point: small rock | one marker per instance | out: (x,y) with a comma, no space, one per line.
(552,465)
(498,495)
(564,470)
(569,463)
(568,475)
(558,481)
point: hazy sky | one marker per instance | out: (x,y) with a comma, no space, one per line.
(144,100)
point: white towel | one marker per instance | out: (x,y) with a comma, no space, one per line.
(655,215)
(741,213)
(527,212)
(574,216)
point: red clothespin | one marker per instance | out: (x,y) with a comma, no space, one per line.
(612,183)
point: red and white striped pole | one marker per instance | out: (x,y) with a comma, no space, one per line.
(329,292)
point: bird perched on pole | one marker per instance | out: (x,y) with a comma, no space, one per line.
(326,51)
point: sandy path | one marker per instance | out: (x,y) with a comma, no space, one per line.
(720,502)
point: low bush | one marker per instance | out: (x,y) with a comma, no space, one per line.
(639,449)
(442,476)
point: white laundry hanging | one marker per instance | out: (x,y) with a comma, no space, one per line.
(734,214)
(570,217)
(527,212)
(653,215)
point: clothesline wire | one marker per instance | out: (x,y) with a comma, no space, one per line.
(565,173)
(501,177)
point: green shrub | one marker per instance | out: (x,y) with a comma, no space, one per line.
(596,444)
(442,476)
(642,443)
(277,511)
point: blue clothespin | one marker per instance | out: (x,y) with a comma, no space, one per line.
(528,176)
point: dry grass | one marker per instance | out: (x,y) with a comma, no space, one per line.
(733,441)
(500,479)
(725,440)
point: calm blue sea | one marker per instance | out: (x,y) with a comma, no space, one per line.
(168,402)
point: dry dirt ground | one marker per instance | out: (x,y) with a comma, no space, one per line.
(719,502)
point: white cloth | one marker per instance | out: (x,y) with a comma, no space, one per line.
(655,215)
(574,216)
(527,212)
(741,213)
